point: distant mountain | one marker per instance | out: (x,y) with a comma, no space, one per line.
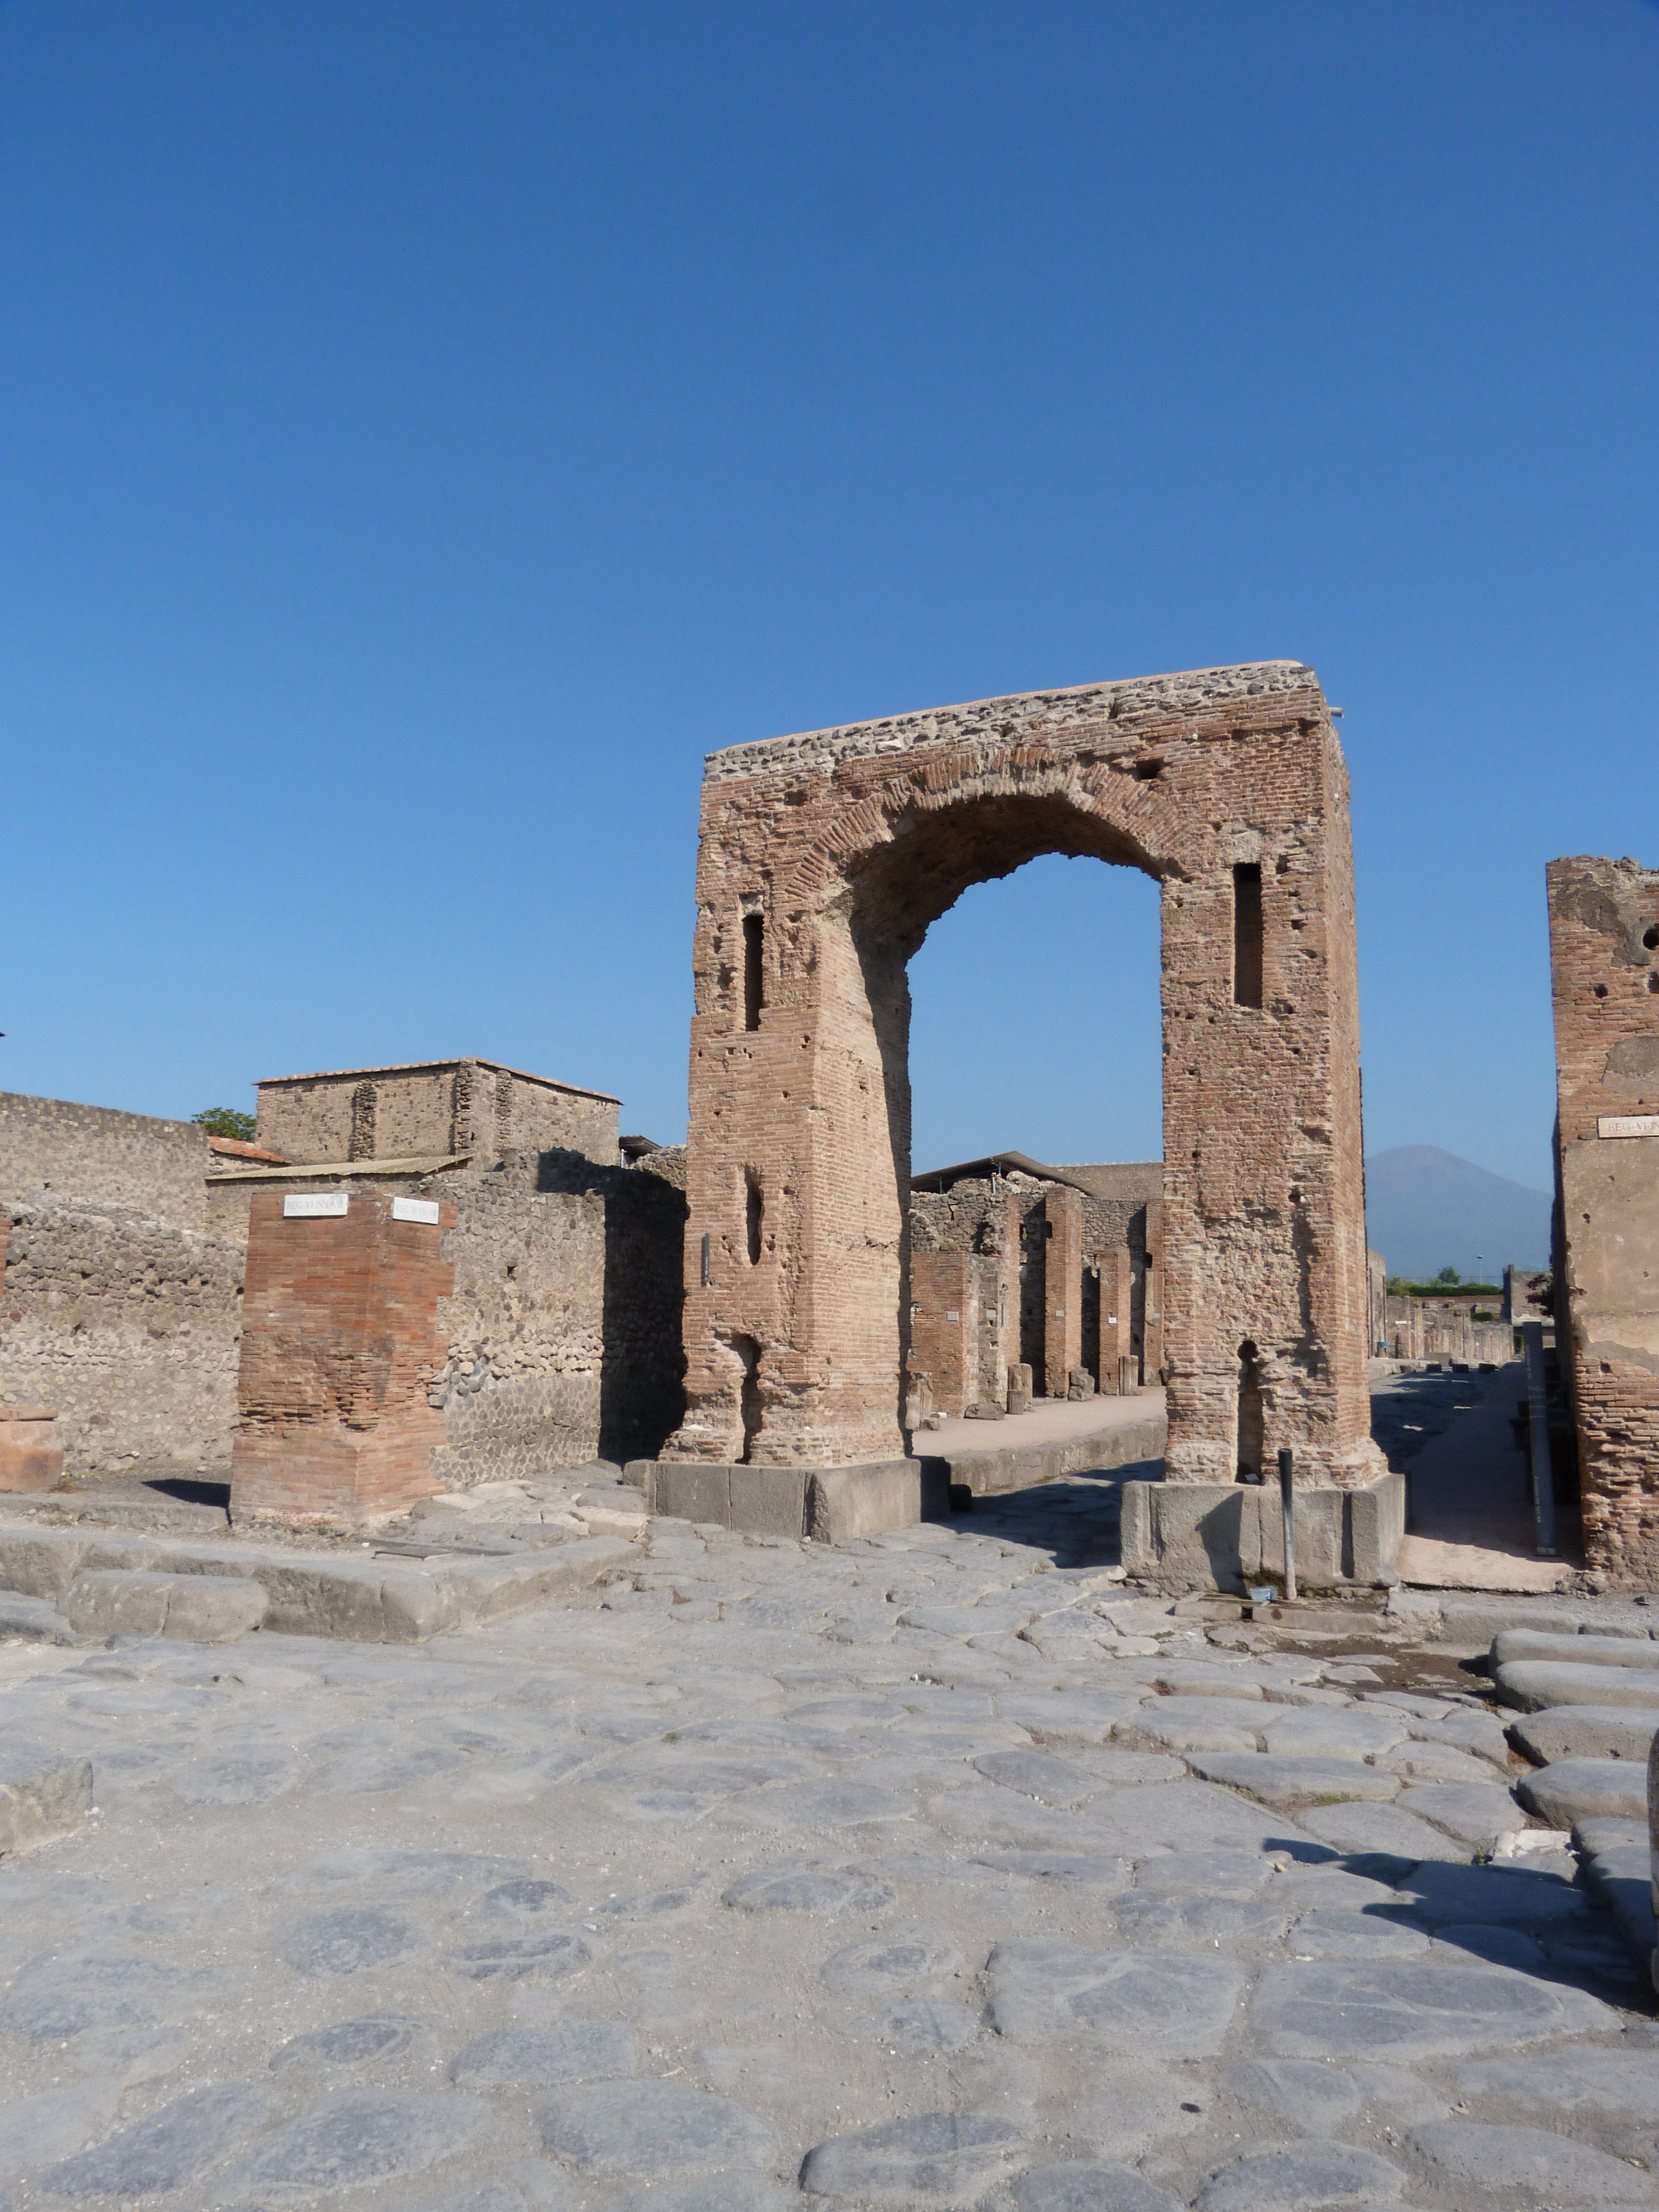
(1426,1209)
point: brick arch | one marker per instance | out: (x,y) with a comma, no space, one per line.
(826,857)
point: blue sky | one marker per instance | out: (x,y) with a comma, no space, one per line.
(425,432)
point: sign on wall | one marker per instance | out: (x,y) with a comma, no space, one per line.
(1628,1125)
(416,1209)
(315,1205)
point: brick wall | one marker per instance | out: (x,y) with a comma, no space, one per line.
(341,1344)
(827,856)
(1604,960)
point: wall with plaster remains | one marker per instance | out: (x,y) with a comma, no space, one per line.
(1604,962)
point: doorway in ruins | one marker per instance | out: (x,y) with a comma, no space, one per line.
(1036,1083)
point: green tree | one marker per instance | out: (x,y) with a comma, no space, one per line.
(226,1122)
(1448,1277)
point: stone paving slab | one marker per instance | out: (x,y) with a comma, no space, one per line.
(1536,1685)
(1586,1732)
(1573,1789)
(760,1875)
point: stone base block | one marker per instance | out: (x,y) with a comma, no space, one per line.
(189,1608)
(30,1456)
(831,1504)
(1212,1535)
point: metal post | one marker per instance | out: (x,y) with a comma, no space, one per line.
(1543,1475)
(1287,1490)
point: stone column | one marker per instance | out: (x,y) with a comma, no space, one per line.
(1062,1290)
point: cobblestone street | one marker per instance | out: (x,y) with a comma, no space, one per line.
(926,1871)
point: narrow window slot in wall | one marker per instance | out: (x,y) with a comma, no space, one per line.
(752,925)
(755,1213)
(1246,933)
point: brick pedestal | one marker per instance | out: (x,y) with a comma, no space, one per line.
(340,1340)
(30,1456)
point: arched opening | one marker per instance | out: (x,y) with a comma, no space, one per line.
(1035,1031)
(1002,1288)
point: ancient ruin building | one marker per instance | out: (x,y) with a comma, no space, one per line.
(825,859)
(450,1276)
(1604,964)
(1014,1263)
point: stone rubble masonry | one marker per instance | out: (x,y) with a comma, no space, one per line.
(340,1344)
(472,1106)
(1604,965)
(121,1303)
(825,858)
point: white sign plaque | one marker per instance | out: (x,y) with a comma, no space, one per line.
(315,1205)
(416,1209)
(1628,1125)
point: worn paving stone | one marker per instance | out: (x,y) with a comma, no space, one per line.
(1142,2002)
(1592,2080)
(1352,1732)
(1294,1780)
(1206,1874)
(723,2192)
(1349,1935)
(353,2043)
(1145,1917)
(946,2159)
(805,1889)
(1412,2008)
(1308,2094)
(537,2058)
(1188,1816)
(1308,2177)
(1503,2159)
(40,2130)
(1586,1732)
(920,2026)
(1573,1789)
(1186,1724)
(1036,1774)
(1379,1831)
(1536,1685)
(547,1955)
(1099,1873)
(1477,1816)
(1079,2186)
(878,1967)
(358,2136)
(63,1993)
(348,1941)
(185,2140)
(651,2128)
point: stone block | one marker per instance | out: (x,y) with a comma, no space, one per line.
(1019,1387)
(847,1502)
(1215,1536)
(41,1795)
(188,1608)
(30,1457)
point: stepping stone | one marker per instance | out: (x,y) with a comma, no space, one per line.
(1586,1790)
(651,2128)
(1475,1814)
(1533,1685)
(1078,2187)
(1503,2159)
(1352,1733)
(1317,2175)
(359,2135)
(1513,1643)
(947,2159)
(1411,2008)
(535,2058)
(1597,2080)
(1143,2002)
(1586,1732)
(1298,2090)
(1287,1781)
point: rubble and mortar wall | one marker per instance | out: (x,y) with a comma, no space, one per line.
(1604,958)
(469,1106)
(130,1327)
(54,1151)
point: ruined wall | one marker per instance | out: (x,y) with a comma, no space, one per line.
(471,1106)
(824,860)
(121,1303)
(1604,959)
